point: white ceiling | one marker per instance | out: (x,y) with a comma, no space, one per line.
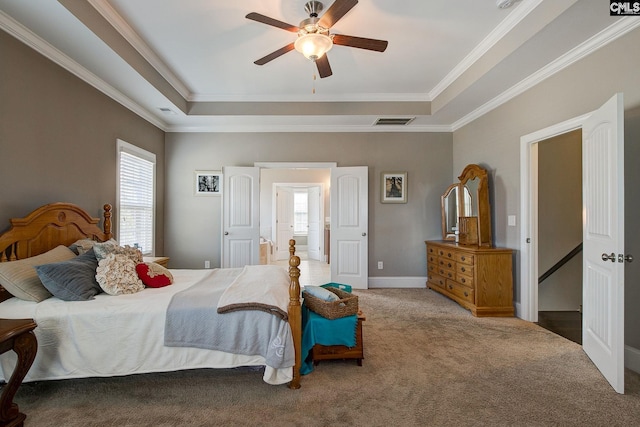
(447,63)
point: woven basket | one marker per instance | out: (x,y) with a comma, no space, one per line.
(347,305)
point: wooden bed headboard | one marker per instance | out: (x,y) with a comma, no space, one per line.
(48,227)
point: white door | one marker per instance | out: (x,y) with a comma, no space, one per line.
(241,216)
(603,240)
(349,226)
(315,223)
(284,221)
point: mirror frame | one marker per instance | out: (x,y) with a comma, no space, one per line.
(446,235)
(473,230)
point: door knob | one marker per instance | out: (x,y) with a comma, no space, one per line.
(364,234)
(226,233)
(628,258)
(611,257)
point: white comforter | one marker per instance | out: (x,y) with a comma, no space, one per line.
(115,335)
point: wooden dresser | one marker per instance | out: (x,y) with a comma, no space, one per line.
(480,279)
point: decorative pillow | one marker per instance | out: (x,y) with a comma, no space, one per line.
(154,275)
(72,280)
(111,247)
(20,277)
(322,293)
(116,275)
(82,246)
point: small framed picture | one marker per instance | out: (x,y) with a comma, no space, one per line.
(208,183)
(394,187)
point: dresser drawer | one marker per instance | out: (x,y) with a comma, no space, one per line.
(432,258)
(432,267)
(465,269)
(460,291)
(465,258)
(446,253)
(447,264)
(437,280)
(465,280)
(449,274)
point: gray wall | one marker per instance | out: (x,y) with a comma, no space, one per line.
(396,232)
(58,138)
(494,140)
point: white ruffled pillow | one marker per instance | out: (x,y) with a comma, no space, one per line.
(116,274)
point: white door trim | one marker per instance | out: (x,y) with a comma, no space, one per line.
(528,307)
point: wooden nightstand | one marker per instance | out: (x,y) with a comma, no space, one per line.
(329,352)
(162,260)
(16,335)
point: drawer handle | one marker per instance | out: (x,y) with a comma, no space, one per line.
(449,265)
(463,269)
(449,255)
(441,282)
(463,258)
(451,287)
(463,280)
(450,275)
(466,294)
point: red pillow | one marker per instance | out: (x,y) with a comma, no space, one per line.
(154,275)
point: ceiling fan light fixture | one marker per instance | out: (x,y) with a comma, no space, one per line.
(313,45)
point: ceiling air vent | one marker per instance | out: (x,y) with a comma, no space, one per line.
(399,121)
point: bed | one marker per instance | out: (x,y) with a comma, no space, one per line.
(125,334)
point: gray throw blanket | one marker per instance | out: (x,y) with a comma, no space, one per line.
(193,321)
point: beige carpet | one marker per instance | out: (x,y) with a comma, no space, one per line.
(427,362)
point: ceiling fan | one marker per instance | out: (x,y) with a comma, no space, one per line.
(314,39)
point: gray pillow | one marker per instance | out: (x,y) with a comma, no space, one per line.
(72,280)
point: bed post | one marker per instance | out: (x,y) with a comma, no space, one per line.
(295,312)
(106,226)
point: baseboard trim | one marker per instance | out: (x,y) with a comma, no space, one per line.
(397,282)
(632,358)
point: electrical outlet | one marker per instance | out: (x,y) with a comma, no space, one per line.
(380,265)
(207,264)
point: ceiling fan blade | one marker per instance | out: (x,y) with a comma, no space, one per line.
(360,42)
(273,22)
(338,9)
(274,55)
(324,69)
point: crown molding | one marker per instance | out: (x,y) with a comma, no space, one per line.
(124,29)
(41,46)
(502,30)
(347,97)
(310,128)
(586,48)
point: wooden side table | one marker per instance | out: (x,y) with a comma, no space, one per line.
(162,260)
(16,335)
(329,352)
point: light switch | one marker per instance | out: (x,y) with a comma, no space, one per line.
(511,220)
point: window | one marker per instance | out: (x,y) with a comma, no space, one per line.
(301,212)
(136,197)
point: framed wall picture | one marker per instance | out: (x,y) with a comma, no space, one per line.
(208,183)
(394,187)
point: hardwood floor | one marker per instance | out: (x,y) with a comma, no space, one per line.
(311,272)
(564,323)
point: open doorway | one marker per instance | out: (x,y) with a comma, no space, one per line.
(281,220)
(560,235)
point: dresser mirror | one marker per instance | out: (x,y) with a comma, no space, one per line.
(466,213)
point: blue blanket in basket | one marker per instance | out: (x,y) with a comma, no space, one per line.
(319,330)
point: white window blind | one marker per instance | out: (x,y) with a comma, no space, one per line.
(136,197)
